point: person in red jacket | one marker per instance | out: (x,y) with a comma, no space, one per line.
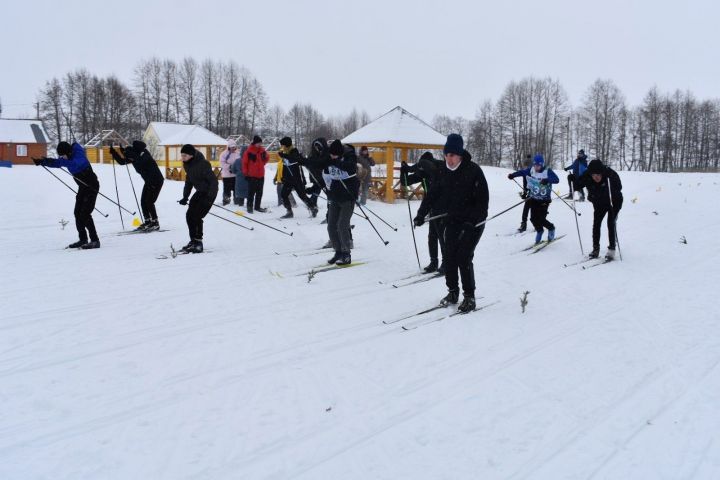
(253,168)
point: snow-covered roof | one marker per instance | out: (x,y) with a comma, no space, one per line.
(396,126)
(179,134)
(22,131)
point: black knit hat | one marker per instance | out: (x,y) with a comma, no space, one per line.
(286,142)
(454,144)
(256,140)
(64,148)
(426,156)
(139,145)
(336,148)
(596,167)
(188,150)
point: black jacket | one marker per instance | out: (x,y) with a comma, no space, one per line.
(141,160)
(199,175)
(462,194)
(598,192)
(317,161)
(342,189)
(425,170)
(292,172)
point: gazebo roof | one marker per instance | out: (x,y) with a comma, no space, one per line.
(172,134)
(398,126)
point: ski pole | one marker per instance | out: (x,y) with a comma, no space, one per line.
(142,217)
(98,192)
(563,200)
(577,224)
(71,189)
(385,242)
(240,214)
(435,217)
(117,194)
(412,229)
(614,219)
(230,221)
(498,214)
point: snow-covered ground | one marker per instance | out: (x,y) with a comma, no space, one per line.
(230,365)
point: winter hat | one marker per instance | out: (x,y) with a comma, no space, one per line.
(336,148)
(596,167)
(64,148)
(426,156)
(539,160)
(139,145)
(286,142)
(582,152)
(454,144)
(188,150)
(319,144)
(232,143)
(363,149)
(256,140)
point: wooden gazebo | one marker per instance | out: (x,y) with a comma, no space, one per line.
(391,137)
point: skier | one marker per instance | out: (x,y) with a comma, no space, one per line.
(241,185)
(199,175)
(524,195)
(253,168)
(227,159)
(367,163)
(142,161)
(315,163)
(74,159)
(293,178)
(340,176)
(605,193)
(539,180)
(427,170)
(578,168)
(461,192)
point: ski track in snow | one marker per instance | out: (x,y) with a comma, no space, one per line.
(231,365)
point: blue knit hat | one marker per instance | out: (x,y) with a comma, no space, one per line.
(454,144)
(539,160)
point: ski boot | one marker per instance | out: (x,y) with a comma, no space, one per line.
(337,256)
(261,210)
(289,214)
(91,245)
(152,226)
(188,247)
(523,227)
(468,303)
(538,237)
(582,197)
(226,201)
(551,235)
(432,267)
(344,260)
(314,211)
(569,196)
(249,208)
(610,255)
(78,244)
(450,299)
(142,226)
(595,253)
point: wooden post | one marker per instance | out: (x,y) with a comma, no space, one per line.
(167,162)
(404,158)
(390,165)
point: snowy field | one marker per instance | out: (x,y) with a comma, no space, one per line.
(230,365)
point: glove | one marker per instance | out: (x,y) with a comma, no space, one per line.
(544,181)
(418,221)
(510,177)
(183,201)
(38,161)
(282,154)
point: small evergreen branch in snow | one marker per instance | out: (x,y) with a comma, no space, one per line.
(173,253)
(63,223)
(524,300)
(311,275)
(683,240)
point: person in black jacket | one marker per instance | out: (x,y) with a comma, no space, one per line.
(461,192)
(340,176)
(426,170)
(524,195)
(293,178)
(199,175)
(605,193)
(315,163)
(144,164)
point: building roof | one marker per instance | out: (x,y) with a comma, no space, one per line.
(178,134)
(396,126)
(22,131)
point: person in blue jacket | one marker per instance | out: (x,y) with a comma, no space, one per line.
(539,181)
(575,181)
(74,159)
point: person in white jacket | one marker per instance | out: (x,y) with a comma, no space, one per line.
(227,159)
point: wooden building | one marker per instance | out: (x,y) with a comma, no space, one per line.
(21,140)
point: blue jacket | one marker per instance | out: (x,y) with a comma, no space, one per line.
(579,166)
(76,164)
(538,183)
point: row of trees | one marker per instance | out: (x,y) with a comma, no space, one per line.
(667,132)
(222,96)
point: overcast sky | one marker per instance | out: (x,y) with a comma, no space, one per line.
(430,57)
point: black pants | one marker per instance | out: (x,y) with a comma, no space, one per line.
(598,215)
(255,191)
(538,214)
(526,210)
(150,194)
(314,192)
(228,187)
(575,184)
(84,206)
(460,243)
(435,238)
(287,189)
(339,214)
(198,208)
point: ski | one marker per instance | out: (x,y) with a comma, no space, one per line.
(420,313)
(413,326)
(136,232)
(602,262)
(545,244)
(580,262)
(328,268)
(424,279)
(179,253)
